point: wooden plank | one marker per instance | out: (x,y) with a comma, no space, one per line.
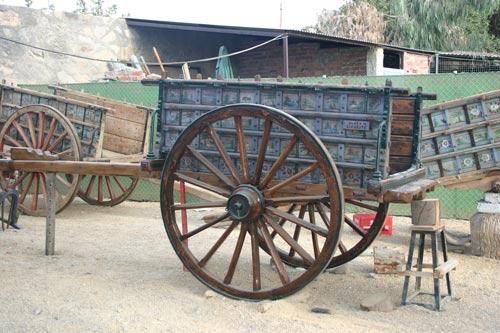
(18,153)
(117,109)
(123,128)
(401,145)
(484,180)
(100,142)
(122,145)
(81,167)
(402,105)
(462,101)
(445,268)
(399,164)
(402,125)
(409,192)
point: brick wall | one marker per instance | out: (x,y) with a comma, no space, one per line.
(305,59)
(416,63)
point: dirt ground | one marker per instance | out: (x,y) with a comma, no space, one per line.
(114,271)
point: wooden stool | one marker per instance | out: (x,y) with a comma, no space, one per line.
(438,271)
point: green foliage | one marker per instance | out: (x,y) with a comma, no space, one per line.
(442,25)
(95,7)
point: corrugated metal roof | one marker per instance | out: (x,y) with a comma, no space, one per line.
(265,32)
(471,54)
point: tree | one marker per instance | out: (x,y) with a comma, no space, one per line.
(95,7)
(439,24)
(357,20)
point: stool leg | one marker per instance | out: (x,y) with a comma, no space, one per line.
(408,268)
(437,289)
(420,260)
(445,258)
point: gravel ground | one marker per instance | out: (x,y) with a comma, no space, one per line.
(114,271)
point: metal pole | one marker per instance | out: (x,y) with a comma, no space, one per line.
(285,56)
(436,63)
(50,235)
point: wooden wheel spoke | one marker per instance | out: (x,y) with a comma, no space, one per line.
(34,200)
(23,135)
(283,220)
(110,188)
(200,205)
(296,199)
(217,244)
(209,165)
(278,163)
(90,186)
(45,192)
(342,247)
(18,181)
(298,221)
(203,227)
(31,128)
(100,193)
(236,254)
(242,146)
(312,219)
(290,180)
(120,184)
(225,156)
(354,226)
(202,184)
(41,129)
(262,151)
(52,129)
(13,141)
(66,154)
(255,257)
(63,180)
(361,204)
(296,232)
(26,189)
(280,267)
(58,141)
(287,238)
(322,214)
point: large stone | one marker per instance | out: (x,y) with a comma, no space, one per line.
(388,260)
(485,235)
(377,302)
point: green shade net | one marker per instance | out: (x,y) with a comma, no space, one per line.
(223,68)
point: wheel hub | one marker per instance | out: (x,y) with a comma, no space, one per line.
(245,203)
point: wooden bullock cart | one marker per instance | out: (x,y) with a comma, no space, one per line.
(278,164)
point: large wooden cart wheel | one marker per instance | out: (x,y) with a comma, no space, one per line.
(355,239)
(49,132)
(106,190)
(254,192)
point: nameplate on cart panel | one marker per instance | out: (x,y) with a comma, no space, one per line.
(359,125)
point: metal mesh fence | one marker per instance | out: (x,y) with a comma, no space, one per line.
(460,204)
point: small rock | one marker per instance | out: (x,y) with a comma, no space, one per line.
(300,269)
(322,310)
(377,302)
(263,307)
(209,294)
(373,275)
(37,312)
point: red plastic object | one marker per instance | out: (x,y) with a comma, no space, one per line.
(365,220)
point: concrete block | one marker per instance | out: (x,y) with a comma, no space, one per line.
(388,260)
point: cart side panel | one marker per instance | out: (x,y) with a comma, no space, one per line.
(461,137)
(87,119)
(346,119)
(402,134)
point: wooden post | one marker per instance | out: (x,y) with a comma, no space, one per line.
(163,72)
(285,57)
(50,236)
(425,212)
(185,72)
